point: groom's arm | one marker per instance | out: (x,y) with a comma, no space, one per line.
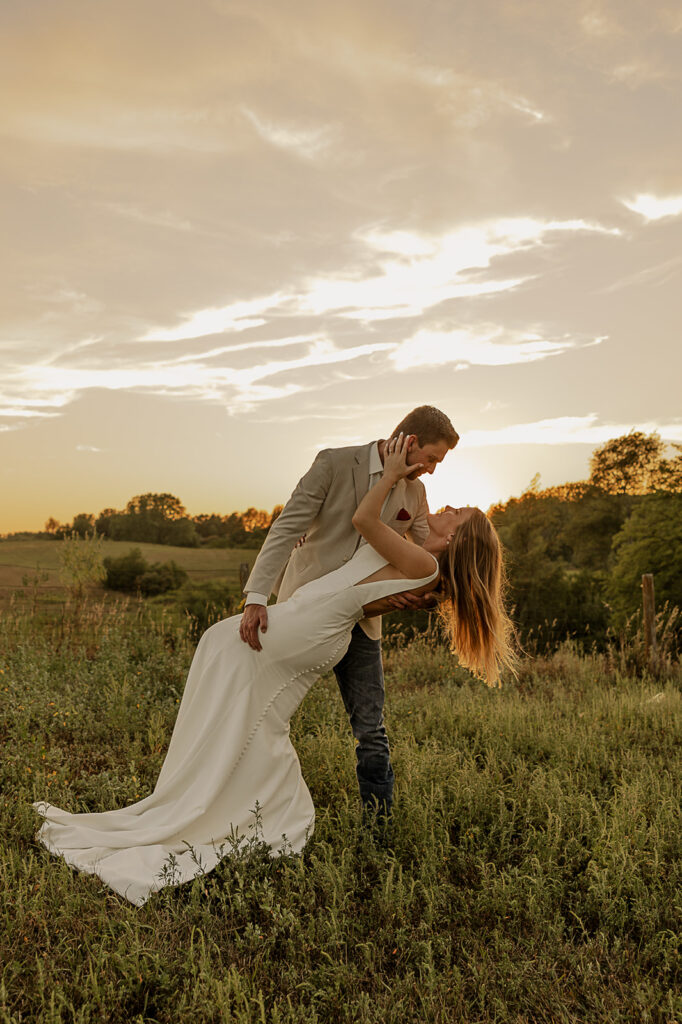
(293,521)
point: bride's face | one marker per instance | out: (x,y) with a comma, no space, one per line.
(444,524)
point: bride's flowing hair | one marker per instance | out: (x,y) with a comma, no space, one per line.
(472,586)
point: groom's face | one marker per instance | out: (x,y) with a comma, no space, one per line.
(429,454)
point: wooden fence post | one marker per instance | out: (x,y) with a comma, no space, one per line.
(243,575)
(649,607)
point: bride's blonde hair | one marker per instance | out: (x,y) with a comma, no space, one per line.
(471,591)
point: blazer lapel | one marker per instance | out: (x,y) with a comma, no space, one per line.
(395,502)
(361,474)
(396,498)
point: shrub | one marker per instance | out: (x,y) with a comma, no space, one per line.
(206,603)
(123,572)
(132,573)
(161,577)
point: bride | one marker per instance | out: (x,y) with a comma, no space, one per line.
(230,750)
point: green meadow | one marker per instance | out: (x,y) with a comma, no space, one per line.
(533,872)
(20,559)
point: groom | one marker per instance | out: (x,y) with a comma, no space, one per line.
(320,510)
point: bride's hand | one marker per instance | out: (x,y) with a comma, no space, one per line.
(395,457)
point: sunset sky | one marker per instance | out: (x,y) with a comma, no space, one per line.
(235,233)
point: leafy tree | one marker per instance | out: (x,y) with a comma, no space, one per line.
(591,524)
(104,520)
(151,518)
(551,591)
(178,532)
(239,530)
(163,506)
(669,475)
(83,525)
(649,541)
(208,525)
(255,519)
(629,464)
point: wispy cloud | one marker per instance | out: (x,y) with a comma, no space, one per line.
(308,143)
(636,73)
(525,106)
(651,277)
(28,404)
(482,346)
(566,430)
(144,215)
(24,412)
(47,385)
(597,23)
(252,346)
(654,207)
(237,316)
(417,272)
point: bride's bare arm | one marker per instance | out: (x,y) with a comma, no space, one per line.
(409,558)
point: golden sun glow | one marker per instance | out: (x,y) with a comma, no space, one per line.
(460,480)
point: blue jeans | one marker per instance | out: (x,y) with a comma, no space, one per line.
(360,676)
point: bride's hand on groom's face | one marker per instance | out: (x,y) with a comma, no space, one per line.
(395,456)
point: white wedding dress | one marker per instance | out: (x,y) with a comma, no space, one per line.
(230,747)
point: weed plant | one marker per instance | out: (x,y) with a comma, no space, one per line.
(532,871)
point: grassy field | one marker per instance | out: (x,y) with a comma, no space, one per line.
(534,872)
(27,558)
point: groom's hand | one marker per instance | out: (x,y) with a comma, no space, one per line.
(409,602)
(400,602)
(255,617)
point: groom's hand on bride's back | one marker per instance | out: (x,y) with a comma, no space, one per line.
(255,617)
(401,602)
(409,602)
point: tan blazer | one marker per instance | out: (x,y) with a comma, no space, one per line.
(321,507)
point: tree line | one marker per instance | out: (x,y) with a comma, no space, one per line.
(163,519)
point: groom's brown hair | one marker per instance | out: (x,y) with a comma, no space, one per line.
(430,425)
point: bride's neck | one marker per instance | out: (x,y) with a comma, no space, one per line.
(434,545)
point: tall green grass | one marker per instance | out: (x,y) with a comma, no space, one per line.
(533,872)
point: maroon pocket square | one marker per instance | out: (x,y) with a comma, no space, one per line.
(403,515)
